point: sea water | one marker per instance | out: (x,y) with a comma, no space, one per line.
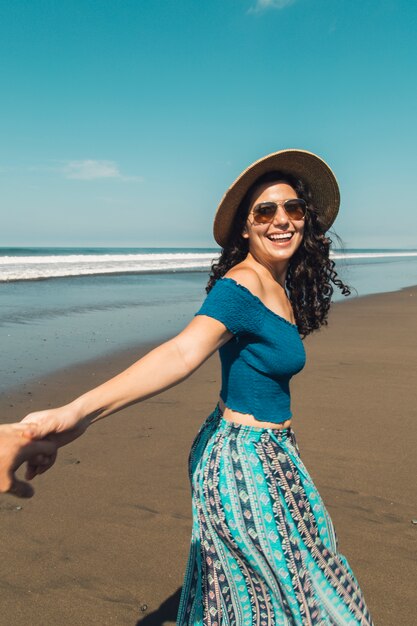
(60,306)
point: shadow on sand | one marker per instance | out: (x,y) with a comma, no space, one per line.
(167,612)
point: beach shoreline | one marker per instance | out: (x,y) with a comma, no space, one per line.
(125,356)
(105,539)
(45,324)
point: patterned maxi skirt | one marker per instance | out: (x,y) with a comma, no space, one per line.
(263,548)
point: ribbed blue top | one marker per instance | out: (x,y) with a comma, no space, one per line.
(259,361)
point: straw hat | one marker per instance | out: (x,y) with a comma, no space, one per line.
(300,163)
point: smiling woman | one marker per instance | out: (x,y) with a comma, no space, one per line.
(263,548)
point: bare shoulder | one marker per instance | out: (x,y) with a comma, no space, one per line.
(247,277)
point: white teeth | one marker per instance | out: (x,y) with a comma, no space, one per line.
(283,236)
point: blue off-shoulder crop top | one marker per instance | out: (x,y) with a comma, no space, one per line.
(259,361)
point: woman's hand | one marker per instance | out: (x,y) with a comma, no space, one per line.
(60,426)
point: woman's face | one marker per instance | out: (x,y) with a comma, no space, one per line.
(279,239)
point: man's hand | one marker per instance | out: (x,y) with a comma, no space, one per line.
(61,426)
(16,447)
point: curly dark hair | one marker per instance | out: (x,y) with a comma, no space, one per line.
(311,271)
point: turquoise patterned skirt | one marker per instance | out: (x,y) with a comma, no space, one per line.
(263,548)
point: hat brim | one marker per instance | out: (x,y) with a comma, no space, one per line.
(302,164)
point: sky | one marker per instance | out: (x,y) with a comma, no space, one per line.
(123,122)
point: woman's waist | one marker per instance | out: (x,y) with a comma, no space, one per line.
(247,419)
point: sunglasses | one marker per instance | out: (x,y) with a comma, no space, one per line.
(295,208)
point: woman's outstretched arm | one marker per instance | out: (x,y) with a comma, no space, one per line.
(162,368)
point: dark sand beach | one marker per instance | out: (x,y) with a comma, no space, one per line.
(105,539)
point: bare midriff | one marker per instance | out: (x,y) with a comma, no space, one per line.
(248,420)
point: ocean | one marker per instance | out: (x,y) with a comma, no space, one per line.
(60,306)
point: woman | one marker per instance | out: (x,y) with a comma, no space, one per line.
(263,548)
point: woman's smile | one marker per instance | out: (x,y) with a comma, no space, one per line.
(281,238)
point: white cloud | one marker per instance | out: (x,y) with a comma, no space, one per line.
(262,5)
(90,169)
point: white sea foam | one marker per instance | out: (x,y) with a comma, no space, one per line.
(55,266)
(372,255)
(37,266)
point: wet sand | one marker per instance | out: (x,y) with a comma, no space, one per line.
(105,539)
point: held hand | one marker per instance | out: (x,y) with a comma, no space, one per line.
(16,447)
(59,426)
(59,420)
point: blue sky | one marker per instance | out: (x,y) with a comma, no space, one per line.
(123,122)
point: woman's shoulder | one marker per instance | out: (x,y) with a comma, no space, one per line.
(233,301)
(246,277)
